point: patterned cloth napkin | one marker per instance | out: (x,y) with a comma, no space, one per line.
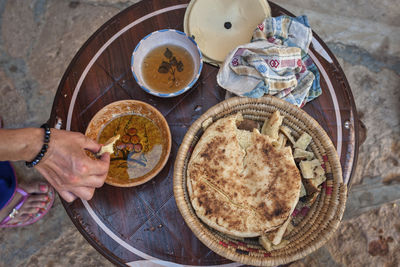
(276,62)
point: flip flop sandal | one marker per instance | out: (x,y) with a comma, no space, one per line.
(42,211)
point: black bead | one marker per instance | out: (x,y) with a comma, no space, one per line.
(45,146)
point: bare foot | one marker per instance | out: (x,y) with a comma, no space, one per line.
(36,200)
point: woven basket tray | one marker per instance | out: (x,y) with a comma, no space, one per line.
(313,225)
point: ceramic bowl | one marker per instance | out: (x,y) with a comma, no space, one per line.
(144,145)
(161,38)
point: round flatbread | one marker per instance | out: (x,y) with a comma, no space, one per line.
(239,183)
(220,26)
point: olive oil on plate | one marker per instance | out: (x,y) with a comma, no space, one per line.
(139,148)
(168,68)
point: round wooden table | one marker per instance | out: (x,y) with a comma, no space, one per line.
(141,226)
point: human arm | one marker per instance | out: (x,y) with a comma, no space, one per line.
(65,165)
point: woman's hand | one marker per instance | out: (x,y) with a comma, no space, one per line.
(69,169)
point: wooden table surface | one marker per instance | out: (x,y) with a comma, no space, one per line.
(141,226)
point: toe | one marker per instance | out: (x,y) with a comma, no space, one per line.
(33,202)
(35,198)
(36,187)
(38,204)
(20,219)
(29,210)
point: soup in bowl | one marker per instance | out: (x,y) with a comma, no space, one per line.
(166,63)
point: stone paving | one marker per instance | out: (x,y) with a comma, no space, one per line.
(39,38)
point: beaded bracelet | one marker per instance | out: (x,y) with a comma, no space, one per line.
(45,146)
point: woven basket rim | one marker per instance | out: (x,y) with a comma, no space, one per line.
(334,212)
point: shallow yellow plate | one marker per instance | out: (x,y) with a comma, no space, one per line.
(220,26)
(144,144)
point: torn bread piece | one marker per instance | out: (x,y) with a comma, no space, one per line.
(307,168)
(281,141)
(311,186)
(268,245)
(300,154)
(303,141)
(319,171)
(288,133)
(313,175)
(303,191)
(277,238)
(274,239)
(108,146)
(311,198)
(289,229)
(316,182)
(271,126)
